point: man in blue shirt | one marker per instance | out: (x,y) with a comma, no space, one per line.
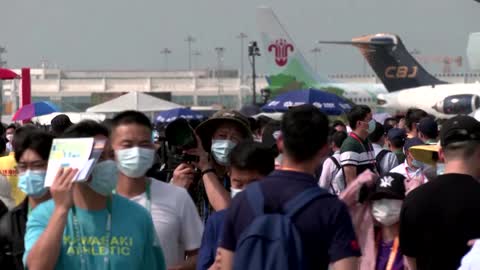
(84,226)
(249,161)
(324,224)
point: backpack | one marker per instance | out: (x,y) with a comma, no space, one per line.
(272,241)
(339,178)
(378,160)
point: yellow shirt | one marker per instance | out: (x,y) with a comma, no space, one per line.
(8,167)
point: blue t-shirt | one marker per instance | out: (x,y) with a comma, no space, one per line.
(210,240)
(133,243)
(324,224)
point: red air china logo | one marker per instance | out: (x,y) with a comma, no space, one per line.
(281,48)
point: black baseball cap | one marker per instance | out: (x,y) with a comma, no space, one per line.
(389,186)
(415,141)
(460,128)
(397,134)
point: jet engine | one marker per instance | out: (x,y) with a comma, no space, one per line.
(458,104)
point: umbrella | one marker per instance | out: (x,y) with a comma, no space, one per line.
(7,74)
(173,114)
(328,103)
(34,109)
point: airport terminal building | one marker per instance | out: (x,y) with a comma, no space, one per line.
(76,90)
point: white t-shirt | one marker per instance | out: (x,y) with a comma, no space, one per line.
(403,169)
(177,223)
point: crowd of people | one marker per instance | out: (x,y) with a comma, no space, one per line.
(300,193)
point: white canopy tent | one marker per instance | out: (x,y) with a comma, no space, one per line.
(134,101)
(75,117)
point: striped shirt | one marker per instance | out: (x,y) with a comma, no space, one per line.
(354,153)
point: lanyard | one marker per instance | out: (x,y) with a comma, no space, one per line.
(369,150)
(393,252)
(409,177)
(77,231)
(148,195)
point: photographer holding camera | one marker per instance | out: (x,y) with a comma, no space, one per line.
(217,136)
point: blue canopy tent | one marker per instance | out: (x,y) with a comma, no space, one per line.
(328,103)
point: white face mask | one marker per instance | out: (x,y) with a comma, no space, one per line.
(387,211)
(134,162)
(234,191)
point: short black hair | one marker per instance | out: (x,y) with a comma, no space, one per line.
(338,137)
(11,126)
(262,121)
(413,116)
(377,134)
(305,131)
(357,113)
(397,142)
(338,123)
(22,132)
(131,117)
(252,156)
(85,129)
(36,140)
(60,123)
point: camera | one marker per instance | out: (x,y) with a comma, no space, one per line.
(181,137)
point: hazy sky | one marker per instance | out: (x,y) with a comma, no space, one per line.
(128,34)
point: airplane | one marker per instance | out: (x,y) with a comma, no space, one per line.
(289,70)
(408,83)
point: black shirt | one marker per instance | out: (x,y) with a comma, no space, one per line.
(438,219)
(12,232)
(324,225)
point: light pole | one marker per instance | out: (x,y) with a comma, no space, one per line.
(253,51)
(220,52)
(196,54)
(165,53)
(242,36)
(316,52)
(190,40)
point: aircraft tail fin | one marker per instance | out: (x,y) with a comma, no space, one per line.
(391,61)
(287,68)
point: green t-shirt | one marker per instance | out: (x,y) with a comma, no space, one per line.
(360,155)
(133,242)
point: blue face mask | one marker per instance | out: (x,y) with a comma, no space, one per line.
(31,183)
(134,162)
(417,164)
(104,177)
(440,168)
(221,151)
(371,126)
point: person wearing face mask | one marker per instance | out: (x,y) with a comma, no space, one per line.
(8,163)
(9,133)
(217,136)
(120,233)
(439,218)
(412,169)
(357,153)
(386,202)
(385,160)
(32,156)
(250,161)
(177,223)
